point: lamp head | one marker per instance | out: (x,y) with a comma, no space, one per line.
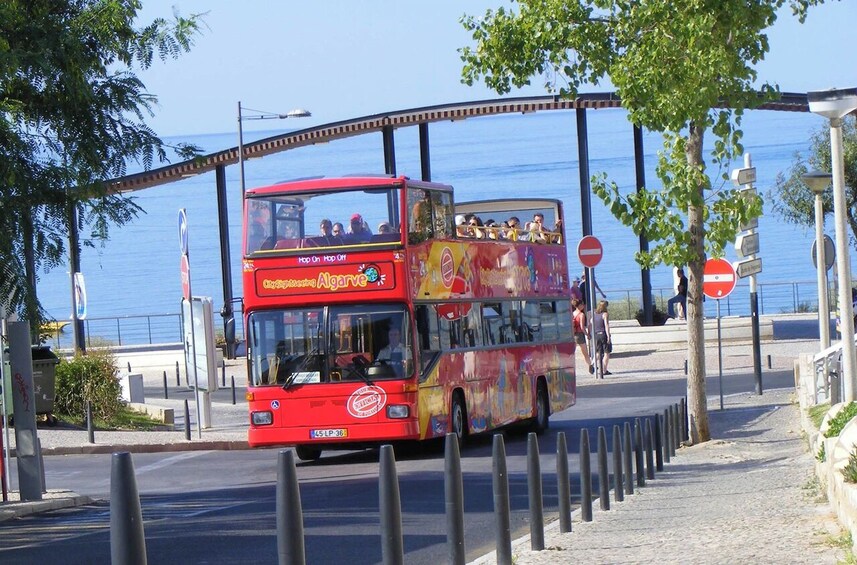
(299,113)
(834,103)
(817,181)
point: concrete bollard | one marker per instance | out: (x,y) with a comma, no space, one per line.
(502,519)
(659,443)
(618,487)
(534,490)
(648,441)
(638,453)
(454,499)
(585,478)
(186,421)
(603,472)
(563,486)
(127,538)
(290,522)
(392,544)
(626,459)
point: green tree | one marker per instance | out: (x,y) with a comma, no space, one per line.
(793,200)
(673,64)
(72,115)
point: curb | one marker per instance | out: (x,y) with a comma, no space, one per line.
(9,510)
(215,445)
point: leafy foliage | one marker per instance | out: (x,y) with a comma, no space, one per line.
(92,377)
(838,422)
(680,68)
(849,472)
(72,116)
(795,202)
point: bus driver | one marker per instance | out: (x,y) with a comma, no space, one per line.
(396,353)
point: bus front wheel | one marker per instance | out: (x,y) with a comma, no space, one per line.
(458,419)
(306,453)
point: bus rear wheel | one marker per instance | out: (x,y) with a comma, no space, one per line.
(458,419)
(542,420)
(306,453)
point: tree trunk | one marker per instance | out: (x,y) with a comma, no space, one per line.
(696,397)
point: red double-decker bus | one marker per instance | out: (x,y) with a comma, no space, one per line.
(377,309)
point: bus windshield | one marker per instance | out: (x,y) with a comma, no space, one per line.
(322,219)
(329,344)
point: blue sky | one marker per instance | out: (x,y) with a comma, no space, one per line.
(343,59)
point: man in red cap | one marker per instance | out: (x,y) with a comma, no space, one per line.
(358,232)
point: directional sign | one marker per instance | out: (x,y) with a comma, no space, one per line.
(183,231)
(747,268)
(829,253)
(747,244)
(751,225)
(744,176)
(718,278)
(589,251)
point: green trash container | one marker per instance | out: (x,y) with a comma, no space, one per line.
(44,381)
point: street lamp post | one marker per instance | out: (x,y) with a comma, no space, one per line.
(834,105)
(259,115)
(818,183)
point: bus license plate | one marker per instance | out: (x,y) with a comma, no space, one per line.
(336,433)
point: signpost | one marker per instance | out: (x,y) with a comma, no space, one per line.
(188,321)
(590,251)
(829,253)
(747,246)
(718,281)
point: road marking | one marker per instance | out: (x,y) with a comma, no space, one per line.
(168,461)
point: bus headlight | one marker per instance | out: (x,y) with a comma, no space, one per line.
(397,411)
(262,418)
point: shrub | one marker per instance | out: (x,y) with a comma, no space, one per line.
(849,472)
(821,456)
(659,318)
(817,412)
(93,377)
(839,421)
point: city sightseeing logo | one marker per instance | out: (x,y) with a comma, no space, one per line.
(366,401)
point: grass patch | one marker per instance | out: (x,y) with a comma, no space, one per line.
(124,419)
(814,490)
(817,412)
(838,422)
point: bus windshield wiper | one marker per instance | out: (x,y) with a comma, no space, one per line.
(299,369)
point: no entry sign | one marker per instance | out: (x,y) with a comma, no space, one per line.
(589,251)
(718,278)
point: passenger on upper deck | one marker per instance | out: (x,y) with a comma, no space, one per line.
(514,226)
(358,232)
(385,227)
(326,228)
(460,226)
(338,230)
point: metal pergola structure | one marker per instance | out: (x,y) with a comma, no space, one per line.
(387,123)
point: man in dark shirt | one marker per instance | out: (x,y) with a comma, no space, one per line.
(679,298)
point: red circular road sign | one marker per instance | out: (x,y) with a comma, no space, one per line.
(589,251)
(718,278)
(185,271)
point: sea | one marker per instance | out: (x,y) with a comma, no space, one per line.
(137,272)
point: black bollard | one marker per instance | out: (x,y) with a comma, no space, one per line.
(90,426)
(684,420)
(659,443)
(233,390)
(638,453)
(603,472)
(626,459)
(534,490)
(290,522)
(677,426)
(392,546)
(166,393)
(129,367)
(648,443)
(454,497)
(563,487)
(502,519)
(685,366)
(769,362)
(127,538)
(186,421)
(671,431)
(223,373)
(618,487)
(178,376)
(585,478)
